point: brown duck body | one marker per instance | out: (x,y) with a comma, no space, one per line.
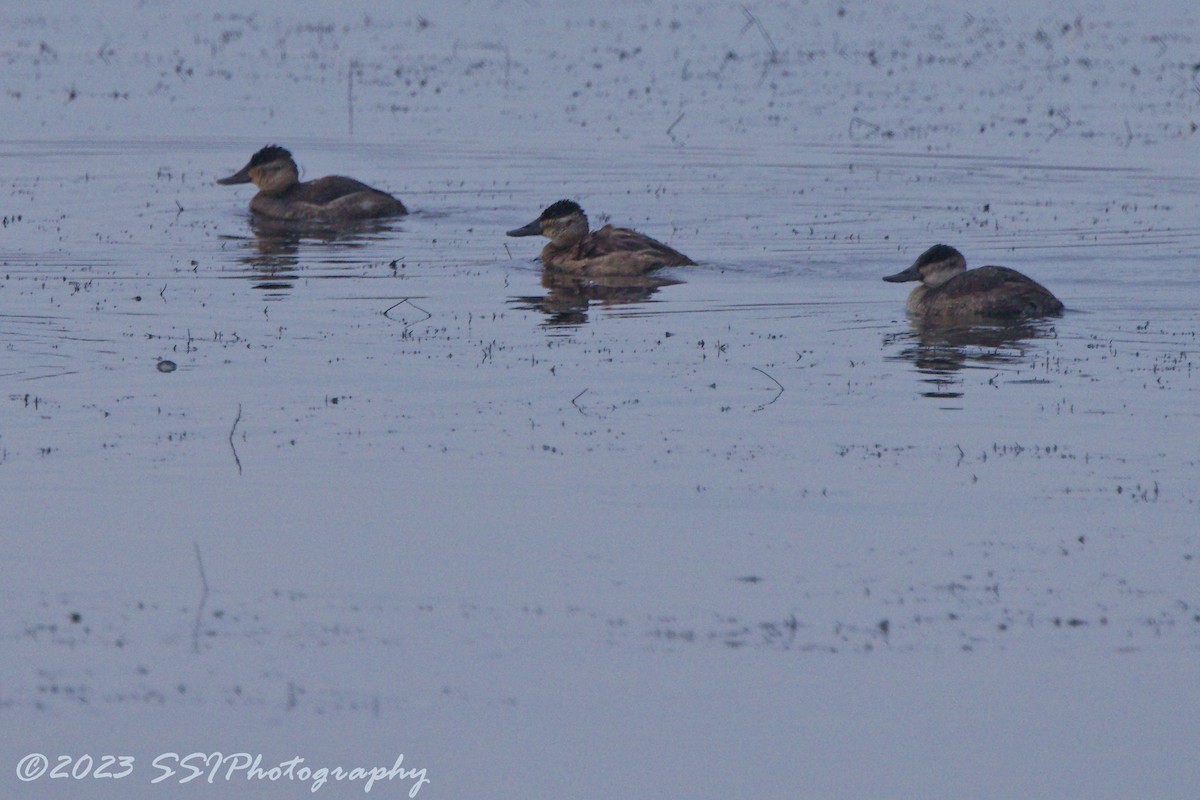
(995,292)
(949,290)
(576,250)
(613,251)
(334,199)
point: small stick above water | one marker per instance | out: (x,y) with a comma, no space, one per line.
(753,20)
(777,394)
(673,124)
(232,446)
(577,406)
(203,599)
(407,325)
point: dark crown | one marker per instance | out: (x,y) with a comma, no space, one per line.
(271,152)
(939,252)
(563,208)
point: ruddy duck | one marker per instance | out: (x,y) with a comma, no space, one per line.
(330,199)
(948,289)
(608,251)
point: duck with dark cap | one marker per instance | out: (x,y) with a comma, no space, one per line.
(281,195)
(573,248)
(947,289)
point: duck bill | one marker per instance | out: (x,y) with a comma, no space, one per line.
(910,274)
(532,229)
(241,176)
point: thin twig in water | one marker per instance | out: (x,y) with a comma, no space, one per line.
(859,121)
(203,600)
(407,325)
(673,124)
(233,447)
(577,406)
(777,394)
(753,20)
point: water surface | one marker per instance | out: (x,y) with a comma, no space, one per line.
(439,496)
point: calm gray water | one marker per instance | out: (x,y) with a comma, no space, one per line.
(439,497)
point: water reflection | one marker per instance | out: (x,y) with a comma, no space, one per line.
(568,297)
(271,255)
(940,352)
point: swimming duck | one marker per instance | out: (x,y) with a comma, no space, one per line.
(330,199)
(608,251)
(949,289)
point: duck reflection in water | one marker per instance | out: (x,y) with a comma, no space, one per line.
(271,255)
(969,319)
(568,297)
(583,267)
(939,352)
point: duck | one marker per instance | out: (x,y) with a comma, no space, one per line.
(948,289)
(281,195)
(609,251)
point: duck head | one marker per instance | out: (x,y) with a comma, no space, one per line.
(271,169)
(934,267)
(563,223)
